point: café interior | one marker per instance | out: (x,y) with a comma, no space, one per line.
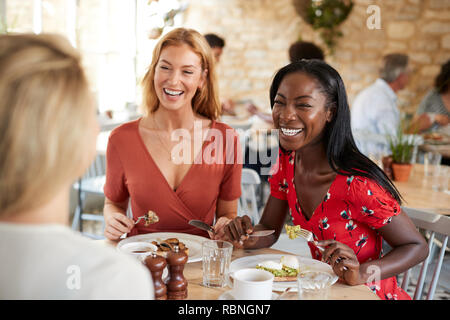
(116,40)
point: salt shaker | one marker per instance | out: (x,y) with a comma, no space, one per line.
(156,265)
(176,283)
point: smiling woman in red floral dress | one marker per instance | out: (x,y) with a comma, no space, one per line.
(328,187)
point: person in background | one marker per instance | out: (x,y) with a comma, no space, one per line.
(47,112)
(305,50)
(217,44)
(374,113)
(330,188)
(297,51)
(434,110)
(144,165)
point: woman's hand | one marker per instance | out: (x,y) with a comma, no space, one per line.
(442,119)
(343,261)
(219,228)
(237,230)
(116,224)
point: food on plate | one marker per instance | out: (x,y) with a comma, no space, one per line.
(286,269)
(292,231)
(433,136)
(167,245)
(150,218)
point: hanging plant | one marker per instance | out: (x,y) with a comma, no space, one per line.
(325,16)
(162,14)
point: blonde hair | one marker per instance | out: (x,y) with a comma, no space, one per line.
(206,100)
(44,103)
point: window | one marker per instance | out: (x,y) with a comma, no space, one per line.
(113,36)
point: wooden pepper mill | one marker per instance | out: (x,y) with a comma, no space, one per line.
(176,283)
(156,265)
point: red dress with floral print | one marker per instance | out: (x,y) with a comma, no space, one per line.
(351,212)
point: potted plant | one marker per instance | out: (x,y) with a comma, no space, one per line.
(325,16)
(402,148)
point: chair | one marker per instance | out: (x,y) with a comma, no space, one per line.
(90,184)
(434,226)
(247,203)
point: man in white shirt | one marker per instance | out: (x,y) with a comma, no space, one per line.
(374,112)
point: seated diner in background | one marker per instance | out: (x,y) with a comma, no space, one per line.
(330,188)
(375,114)
(47,113)
(434,110)
(176,160)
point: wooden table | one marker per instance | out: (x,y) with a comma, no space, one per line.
(196,291)
(419,194)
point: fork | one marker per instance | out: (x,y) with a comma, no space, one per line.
(308,236)
(139,219)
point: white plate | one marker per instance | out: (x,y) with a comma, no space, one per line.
(305,264)
(227,295)
(194,243)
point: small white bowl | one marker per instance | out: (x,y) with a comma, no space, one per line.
(138,249)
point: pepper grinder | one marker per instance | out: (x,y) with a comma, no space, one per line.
(176,283)
(156,265)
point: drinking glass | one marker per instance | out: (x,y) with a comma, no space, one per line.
(314,285)
(431,162)
(216,258)
(440,178)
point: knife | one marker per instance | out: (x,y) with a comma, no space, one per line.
(204,226)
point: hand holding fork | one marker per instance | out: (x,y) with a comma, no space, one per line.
(296,231)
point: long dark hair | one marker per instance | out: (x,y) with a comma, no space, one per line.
(342,153)
(442,81)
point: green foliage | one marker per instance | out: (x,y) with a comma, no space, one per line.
(326,16)
(402,146)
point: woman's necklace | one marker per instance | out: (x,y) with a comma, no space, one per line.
(171,156)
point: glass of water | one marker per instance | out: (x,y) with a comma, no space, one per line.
(314,285)
(431,162)
(216,258)
(440,178)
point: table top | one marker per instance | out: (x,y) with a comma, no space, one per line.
(196,291)
(418,193)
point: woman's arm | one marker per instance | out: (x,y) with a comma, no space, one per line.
(420,123)
(225,212)
(273,217)
(227,209)
(408,249)
(408,246)
(116,221)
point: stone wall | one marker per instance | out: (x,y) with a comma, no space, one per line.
(258,34)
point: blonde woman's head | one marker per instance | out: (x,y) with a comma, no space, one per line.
(205,101)
(47,120)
